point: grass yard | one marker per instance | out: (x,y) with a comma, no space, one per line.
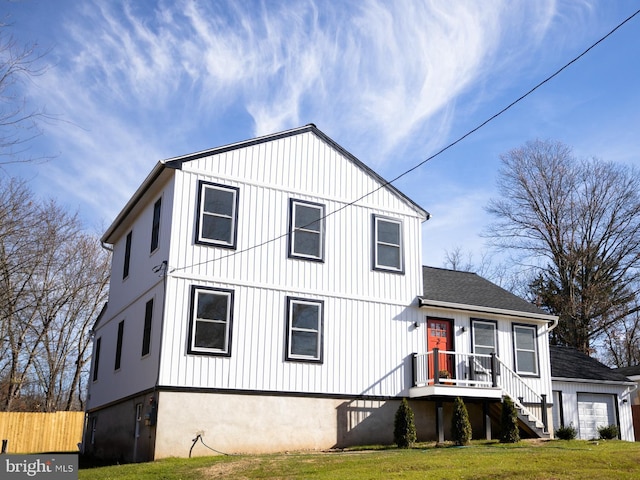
(555,459)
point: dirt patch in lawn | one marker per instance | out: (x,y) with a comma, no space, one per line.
(233,469)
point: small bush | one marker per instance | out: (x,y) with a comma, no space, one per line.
(566,433)
(608,432)
(460,424)
(404,428)
(510,433)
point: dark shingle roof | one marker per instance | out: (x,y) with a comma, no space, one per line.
(568,362)
(628,371)
(468,288)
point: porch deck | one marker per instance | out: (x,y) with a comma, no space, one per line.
(440,374)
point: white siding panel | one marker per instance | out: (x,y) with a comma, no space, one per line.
(463,341)
(367,336)
(136,373)
(572,391)
(367,347)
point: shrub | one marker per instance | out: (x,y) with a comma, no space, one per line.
(566,433)
(608,432)
(404,428)
(509,422)
(460,424)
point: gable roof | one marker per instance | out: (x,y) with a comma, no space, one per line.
(568,362)
(160,170)
(469,291)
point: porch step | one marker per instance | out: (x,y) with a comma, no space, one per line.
(528,426)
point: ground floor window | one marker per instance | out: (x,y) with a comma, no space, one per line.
(211,321)
(304,329)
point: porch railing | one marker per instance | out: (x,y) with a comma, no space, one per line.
(464,369)
(441,367)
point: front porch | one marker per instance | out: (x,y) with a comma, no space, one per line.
(443,375)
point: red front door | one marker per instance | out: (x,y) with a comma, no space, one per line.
(440,336)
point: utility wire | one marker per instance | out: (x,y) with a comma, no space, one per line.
(438,153)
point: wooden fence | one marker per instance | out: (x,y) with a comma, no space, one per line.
(30,432)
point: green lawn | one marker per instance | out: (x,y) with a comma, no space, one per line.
(483,460)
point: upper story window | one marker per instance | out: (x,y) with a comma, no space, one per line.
(146,332)
(211,321)
(387,244)
(127,255)
(525,348)
(96,358)
(119,345)
(155,226)
(306,238)
(304,330)
(217,215)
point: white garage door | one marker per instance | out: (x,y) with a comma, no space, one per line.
(595,410)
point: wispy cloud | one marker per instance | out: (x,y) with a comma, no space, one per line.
(138,81)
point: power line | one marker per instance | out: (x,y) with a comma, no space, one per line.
(438,153)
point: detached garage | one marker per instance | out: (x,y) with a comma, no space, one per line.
(588,394)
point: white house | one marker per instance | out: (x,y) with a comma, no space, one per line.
(268,295)
(588,395)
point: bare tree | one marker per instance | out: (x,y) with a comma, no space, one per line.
(19,122)
(53,278)
(620,343)
(577,224)
(487,267)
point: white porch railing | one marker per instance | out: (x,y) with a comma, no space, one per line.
(523,395)
(441,367)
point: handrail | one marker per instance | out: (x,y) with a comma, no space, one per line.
(478,370)
(521,393)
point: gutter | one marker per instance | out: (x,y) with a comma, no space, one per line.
(479,309)
(587,380)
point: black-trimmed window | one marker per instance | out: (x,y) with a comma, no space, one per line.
(127,255)
(525,349)
(217,215)
(304,329)
(306,230)
(155,226)
(484,338)
(119,345)
(96,358)
(211,321)
(387,244)
(146,332)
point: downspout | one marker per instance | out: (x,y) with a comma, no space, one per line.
(152,441)
(165,269)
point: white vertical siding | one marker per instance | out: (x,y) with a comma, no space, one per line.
(367,313)
(127,300)
(463,341)
(570,391)
(367,346)
(136,372)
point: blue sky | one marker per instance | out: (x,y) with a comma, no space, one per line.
(392,82)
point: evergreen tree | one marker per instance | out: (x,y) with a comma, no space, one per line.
(404,429)
(509,422)
(460,424)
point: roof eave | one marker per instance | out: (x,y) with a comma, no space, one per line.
(588,380)
(422,302)
(178,161)
(155,173)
